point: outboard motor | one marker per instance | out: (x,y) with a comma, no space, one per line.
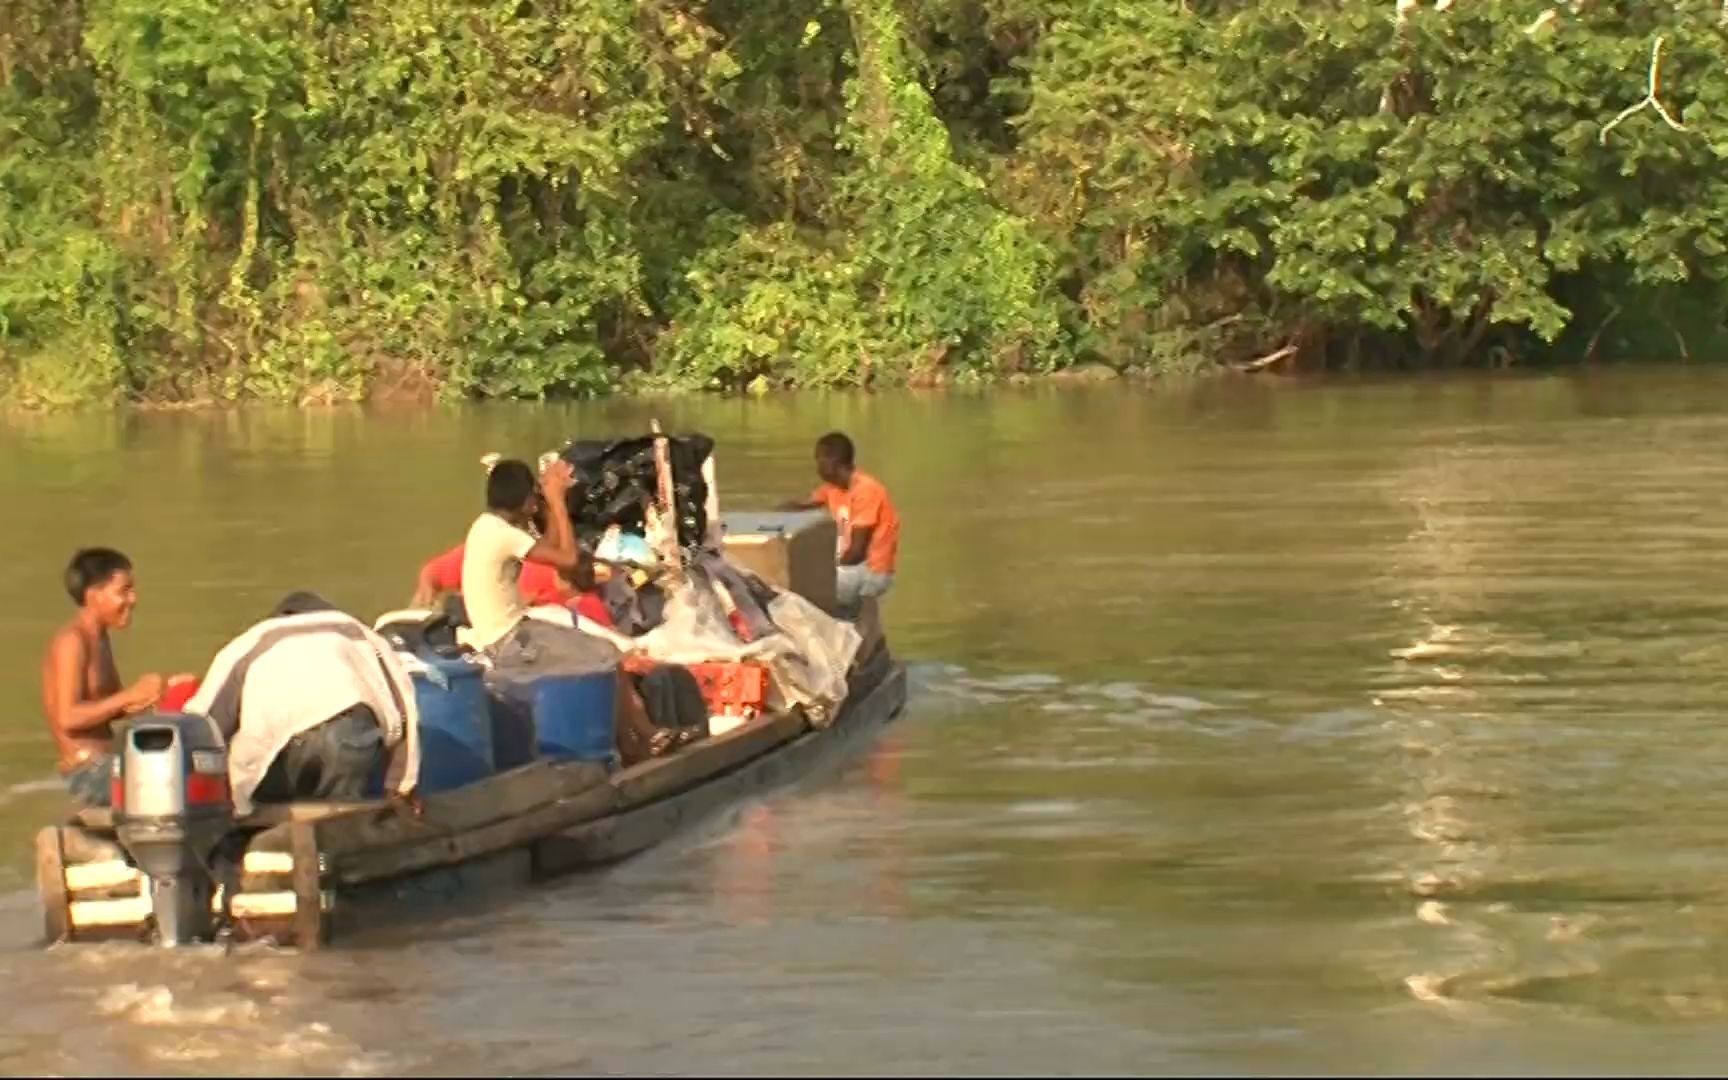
(172,808)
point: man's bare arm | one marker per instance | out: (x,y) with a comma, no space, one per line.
(425,589)
(557,548)
(63,679)
(859,547)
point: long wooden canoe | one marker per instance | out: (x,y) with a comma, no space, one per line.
(315,871)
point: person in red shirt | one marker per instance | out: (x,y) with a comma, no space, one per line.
(540,585)
(869,543)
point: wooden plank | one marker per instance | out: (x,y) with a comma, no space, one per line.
(310,926)
(97,818)
(133,910)
(51,886)
(266,905)
(115,873)
(619,836)
(263,816)
(611,839)
(622,835)
(448,849)
(498,798)
(658,778)
(272,840)
(126,911)
(80,845)
(267,815)
(267,862)
(640,784)
(99,876)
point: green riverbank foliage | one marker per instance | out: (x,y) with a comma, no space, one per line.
(325,199)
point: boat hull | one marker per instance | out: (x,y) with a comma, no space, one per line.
(316,873)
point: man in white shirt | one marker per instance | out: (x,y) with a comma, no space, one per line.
(498,544)
(313,705)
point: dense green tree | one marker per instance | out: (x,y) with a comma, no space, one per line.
(326,198)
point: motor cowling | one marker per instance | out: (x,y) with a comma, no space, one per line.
(172,808)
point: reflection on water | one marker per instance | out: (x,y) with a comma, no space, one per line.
(753,885)
(1253,728)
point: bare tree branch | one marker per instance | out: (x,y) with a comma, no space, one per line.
(1650,101)
(1547,18)
(1269,359)
(1590,350)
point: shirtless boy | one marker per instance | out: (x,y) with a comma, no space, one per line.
(81,691)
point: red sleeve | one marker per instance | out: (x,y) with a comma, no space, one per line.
(591,607)
(539,584)
(446,570)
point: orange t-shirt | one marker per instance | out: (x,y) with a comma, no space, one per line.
(864,505)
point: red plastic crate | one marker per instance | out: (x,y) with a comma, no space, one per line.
(733,688)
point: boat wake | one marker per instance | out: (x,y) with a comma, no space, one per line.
(937,689)
(12,792)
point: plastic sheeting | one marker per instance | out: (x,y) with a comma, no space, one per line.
(826,647)
(808,655)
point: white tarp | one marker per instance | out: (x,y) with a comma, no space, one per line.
(808,659)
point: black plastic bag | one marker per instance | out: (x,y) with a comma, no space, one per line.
(614,480)
(673,699)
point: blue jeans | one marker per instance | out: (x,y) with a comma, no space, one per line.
(337,761)
(89,782)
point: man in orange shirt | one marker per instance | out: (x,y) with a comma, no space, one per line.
(869,526)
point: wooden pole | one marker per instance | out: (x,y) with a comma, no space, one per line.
(51,886)
(311,930)
(672,556)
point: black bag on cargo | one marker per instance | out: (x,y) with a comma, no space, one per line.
(674,699)
(613,479)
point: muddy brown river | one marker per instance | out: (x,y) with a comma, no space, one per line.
(1372,727)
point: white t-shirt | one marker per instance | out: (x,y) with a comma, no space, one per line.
(491,563)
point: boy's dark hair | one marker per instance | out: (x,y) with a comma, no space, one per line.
(91,567)
(836,447)
(509,485)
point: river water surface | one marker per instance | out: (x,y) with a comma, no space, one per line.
(1353,728)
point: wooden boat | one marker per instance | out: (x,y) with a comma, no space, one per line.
(314,872)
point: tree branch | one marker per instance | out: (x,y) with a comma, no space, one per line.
(1650,99)
(1546,19)
(1679,338)
(1590,350)
(1269,359)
